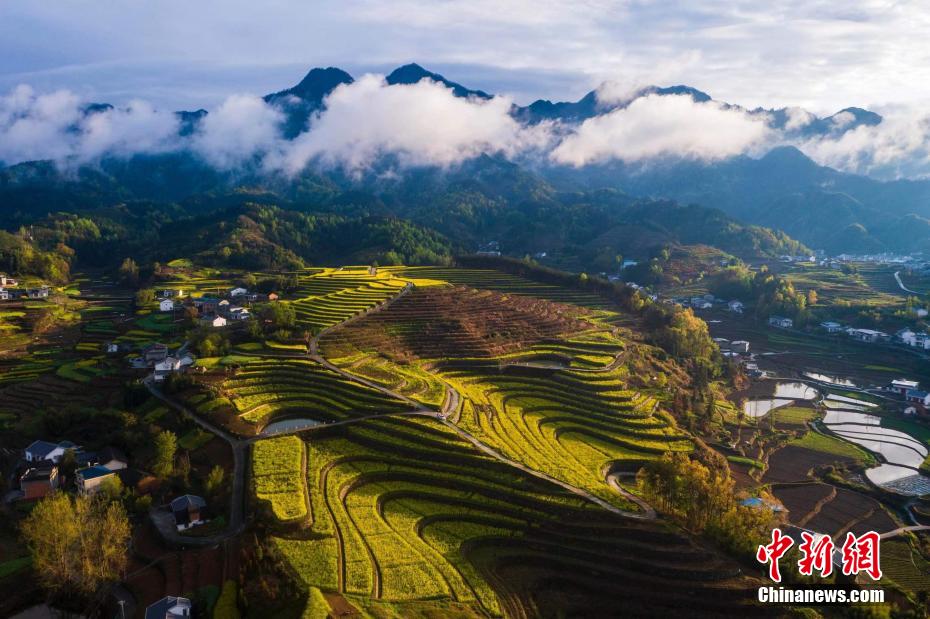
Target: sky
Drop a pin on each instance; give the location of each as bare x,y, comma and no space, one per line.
820,55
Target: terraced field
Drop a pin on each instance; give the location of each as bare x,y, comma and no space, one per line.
476,537
538,381
269,389
488,279
331,296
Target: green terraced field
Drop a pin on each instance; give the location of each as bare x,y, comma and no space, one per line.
470,531
266,389
331,296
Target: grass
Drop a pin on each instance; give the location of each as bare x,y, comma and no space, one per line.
794,415
833,446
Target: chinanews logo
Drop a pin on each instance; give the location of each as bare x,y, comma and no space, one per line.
858,555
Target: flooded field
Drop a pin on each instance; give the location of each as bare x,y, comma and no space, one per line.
783,393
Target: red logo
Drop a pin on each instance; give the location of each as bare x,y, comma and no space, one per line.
771,553
816,554
860,554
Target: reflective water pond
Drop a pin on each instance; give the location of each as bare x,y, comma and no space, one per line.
795,391
846,416
289,425
842,398
760,407
830,380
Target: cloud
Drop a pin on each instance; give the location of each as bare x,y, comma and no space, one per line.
899,147
663,126
797,118
55,126
241,128
420,124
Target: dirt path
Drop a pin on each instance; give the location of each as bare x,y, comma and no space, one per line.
903,530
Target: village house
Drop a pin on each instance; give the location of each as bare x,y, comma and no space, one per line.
169,607
902,386
111,347
212,320
89,480
239,313
38,293
44,450
169,293
736,306
918,397
112,458
740,346
165,305
7,281
188,511
38,482
831,327
273,296
4,294
153,353
869,336
206,305
238,292
170,364
781,322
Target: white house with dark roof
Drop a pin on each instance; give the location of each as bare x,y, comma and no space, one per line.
238,292
781,322
44,450
165,305
188,510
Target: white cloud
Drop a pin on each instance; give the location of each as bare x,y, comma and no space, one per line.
798,118
663,126
241,128
421,124
54,126
899,147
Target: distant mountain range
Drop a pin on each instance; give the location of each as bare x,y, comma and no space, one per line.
785,190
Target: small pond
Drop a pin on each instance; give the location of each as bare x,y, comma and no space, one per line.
289,425
830,380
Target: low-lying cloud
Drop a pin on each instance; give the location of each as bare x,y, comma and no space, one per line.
420,124
423,124
657,126
56,126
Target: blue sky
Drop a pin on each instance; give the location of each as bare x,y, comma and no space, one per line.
181,55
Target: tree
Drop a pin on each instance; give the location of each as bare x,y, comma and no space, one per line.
166,446
77,545
129,272
111,488
811,297
145,297
215,480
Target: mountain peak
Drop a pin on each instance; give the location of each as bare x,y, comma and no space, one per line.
315,85
413,73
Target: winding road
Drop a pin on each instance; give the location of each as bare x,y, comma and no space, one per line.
897,277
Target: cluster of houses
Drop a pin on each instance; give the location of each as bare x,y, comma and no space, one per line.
10,290
215,311
162,361
708,301
40,475
169,607
918,400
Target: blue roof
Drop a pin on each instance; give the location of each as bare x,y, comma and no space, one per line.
915,393
93,472
42,448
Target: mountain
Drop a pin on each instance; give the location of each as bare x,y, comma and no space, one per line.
413,73
785,190
301,101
